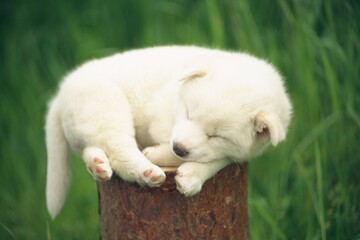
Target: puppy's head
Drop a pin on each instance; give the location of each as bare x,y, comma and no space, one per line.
230,112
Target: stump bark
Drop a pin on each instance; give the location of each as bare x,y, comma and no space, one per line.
219,211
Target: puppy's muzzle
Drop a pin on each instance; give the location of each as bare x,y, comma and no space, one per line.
180,150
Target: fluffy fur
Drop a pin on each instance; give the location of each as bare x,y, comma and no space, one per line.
196,108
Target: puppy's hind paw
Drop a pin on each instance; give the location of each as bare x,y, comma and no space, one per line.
97,163
100,169
152,176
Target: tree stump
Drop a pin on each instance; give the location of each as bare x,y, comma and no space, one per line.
219,211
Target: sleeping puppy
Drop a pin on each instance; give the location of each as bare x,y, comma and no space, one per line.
194,108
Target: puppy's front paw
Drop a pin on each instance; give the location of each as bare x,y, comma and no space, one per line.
161,155
188,180
151,152
100,169
152,176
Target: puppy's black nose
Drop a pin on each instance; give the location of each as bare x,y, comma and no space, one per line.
180,150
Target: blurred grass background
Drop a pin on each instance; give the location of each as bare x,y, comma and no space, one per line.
307,188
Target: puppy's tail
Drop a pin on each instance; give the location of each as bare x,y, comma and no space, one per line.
58,165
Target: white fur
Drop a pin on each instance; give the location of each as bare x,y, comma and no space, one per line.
125,113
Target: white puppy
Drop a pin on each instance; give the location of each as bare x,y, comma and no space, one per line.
191,107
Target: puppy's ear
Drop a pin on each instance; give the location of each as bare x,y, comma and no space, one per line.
269,126
192,74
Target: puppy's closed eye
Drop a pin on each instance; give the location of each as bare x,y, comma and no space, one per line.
215,136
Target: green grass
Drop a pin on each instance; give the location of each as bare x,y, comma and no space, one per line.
307,188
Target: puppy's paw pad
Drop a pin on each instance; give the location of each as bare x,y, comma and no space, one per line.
153,177
147,172
100,169
98,160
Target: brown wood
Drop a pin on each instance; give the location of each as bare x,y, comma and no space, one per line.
219,211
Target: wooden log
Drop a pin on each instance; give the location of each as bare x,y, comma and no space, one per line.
219,211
